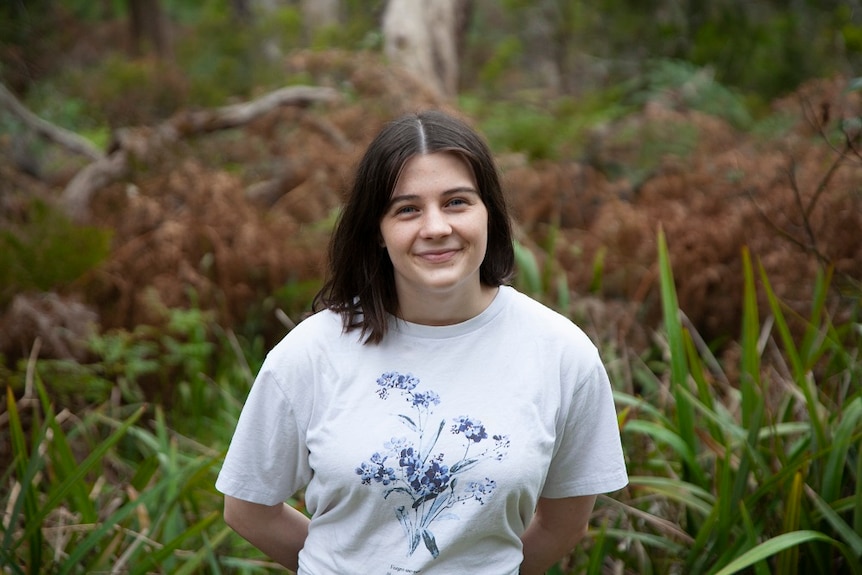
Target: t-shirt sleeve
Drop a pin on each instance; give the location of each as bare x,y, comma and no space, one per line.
267,461
589,457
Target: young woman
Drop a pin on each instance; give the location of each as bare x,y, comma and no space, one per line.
440,421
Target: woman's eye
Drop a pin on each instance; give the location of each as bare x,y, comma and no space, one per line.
458,202
405,210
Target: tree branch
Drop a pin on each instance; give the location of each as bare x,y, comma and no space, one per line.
68,140
138,143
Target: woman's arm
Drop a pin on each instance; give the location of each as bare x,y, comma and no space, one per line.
556,528
278,530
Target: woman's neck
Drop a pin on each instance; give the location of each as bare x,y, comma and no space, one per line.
444,308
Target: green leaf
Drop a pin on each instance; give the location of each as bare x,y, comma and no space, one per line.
156,559
666,436
800,374
678,363
58,493
771,547
844,531
840,450
66,464
190,566
750,362
691,495
528,269
110,523
28,466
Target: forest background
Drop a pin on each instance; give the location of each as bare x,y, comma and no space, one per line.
685,180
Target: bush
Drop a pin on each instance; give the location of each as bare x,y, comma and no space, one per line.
47,252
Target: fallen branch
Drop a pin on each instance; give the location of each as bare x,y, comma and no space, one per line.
139,143
68,140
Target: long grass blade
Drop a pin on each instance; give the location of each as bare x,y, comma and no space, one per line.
776,545
528,269
788,560
849,535
857,507
811,346
751,537
59,493
168,549
662,435
98,535
28,466
840,449
690,495
750,361
800,373
679,365
189,567
64,461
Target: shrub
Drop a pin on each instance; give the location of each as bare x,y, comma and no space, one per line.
47,252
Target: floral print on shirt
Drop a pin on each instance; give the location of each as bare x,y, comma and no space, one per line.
409,468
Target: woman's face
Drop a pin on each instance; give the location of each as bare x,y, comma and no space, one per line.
435,230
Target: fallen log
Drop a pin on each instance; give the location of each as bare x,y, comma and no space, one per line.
138,143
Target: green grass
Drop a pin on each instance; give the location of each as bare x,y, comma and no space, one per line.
764,479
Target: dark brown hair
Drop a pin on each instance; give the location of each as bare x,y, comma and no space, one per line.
361,281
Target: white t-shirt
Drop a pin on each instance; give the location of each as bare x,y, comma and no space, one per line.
427,453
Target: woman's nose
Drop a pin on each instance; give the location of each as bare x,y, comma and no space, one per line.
435,224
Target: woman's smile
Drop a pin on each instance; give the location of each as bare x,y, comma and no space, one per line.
438,256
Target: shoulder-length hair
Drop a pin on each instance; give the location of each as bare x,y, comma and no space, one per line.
361,280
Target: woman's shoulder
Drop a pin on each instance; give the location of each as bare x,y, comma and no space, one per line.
322,329
534,316
534,311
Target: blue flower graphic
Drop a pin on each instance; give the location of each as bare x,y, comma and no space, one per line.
376,470
471,428
394,380
479,490
422,476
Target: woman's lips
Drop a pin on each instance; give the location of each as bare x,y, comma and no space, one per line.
438,256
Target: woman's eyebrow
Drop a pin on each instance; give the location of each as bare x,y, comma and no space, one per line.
450,192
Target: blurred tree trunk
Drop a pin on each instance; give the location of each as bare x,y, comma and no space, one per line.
424,37
149,28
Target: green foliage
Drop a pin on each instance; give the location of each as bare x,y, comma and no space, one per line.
72,112
47,252
159,511
133,92
772,127
93,525
763,55
651,141
544,281
748,482
693,87
503,58
544,130
223,59
530,131
294,298
20,22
